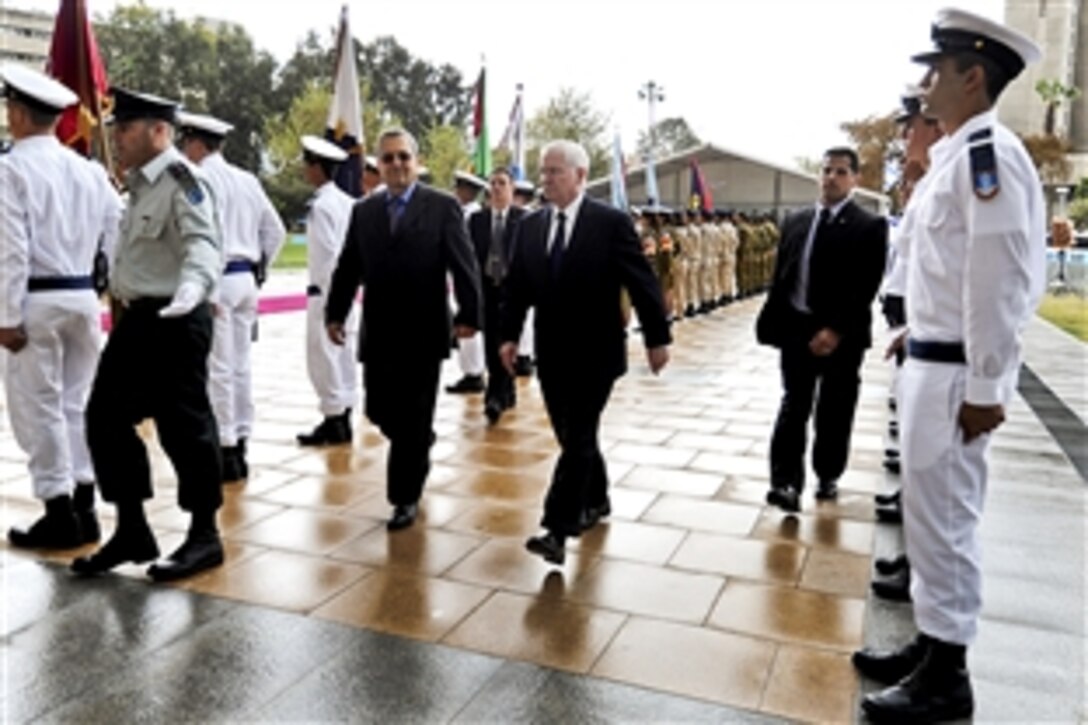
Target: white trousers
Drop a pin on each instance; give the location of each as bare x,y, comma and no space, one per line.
47,385
527,344
229,378
944,486
470,351
332,368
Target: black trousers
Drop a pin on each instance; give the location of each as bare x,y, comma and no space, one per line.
500,386
831,382
580,480
400,400
157,368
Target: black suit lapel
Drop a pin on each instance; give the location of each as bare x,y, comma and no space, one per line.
411,212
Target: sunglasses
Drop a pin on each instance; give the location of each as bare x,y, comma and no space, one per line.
402,156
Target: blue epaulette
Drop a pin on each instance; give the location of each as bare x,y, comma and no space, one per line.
983,164
181,173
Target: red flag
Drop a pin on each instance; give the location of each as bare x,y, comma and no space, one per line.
75,62
701,198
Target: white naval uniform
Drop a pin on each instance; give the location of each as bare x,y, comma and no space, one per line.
56,208
470,350
250,228
975,274
332,368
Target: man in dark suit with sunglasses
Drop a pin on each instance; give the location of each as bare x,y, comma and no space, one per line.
828,269
400,245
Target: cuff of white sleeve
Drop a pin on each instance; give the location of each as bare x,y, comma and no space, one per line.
985,391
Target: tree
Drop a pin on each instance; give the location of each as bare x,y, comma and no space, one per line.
214,70
308,115
876,140
1053,93
444,151
570,115
420,94
1078,212
670,135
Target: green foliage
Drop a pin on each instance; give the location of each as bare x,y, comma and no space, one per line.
570,115
1053,93
214,70
1081,192
1067,311
1077,211
444,152
671,136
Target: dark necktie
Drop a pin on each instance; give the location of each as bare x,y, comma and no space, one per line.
819,242
396,211
555,254
496,263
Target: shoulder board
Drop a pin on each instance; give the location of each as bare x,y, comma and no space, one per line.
984,177
187,181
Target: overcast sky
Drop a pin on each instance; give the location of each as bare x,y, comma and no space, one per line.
771,78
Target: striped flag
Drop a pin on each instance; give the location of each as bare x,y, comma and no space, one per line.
619,187
75,62
344,126
513,139
481,157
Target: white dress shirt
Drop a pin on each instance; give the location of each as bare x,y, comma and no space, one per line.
977,267
56,208
571,213
247,220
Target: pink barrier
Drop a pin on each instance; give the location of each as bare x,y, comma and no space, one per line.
265,306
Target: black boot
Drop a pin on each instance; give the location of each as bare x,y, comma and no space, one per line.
889,499
335,429
243,464
57,529
887,567
938,690
232,467
523,367
201,550
895,588
132,541
890,667
83,503
467,384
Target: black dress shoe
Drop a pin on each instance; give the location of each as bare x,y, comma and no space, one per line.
938,690
890,667
403,517
549,546
889,514
467,384
137,547
893,466
887,567
827,491
200,551
891,453
785,498
493,411
893,430
888,499
57,529
83,503
895,588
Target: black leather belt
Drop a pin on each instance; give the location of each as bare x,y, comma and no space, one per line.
52,284
313,291
941,352
237,266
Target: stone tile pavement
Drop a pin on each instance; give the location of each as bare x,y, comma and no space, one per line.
695,602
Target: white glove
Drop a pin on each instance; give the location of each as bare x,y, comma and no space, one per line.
187,297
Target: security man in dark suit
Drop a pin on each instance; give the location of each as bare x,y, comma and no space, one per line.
492,233
827,272
400,245
571,260
155,365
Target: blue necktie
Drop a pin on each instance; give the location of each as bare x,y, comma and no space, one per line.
396,211
555,254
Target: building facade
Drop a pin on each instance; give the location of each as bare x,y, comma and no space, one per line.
1060,27
25,36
